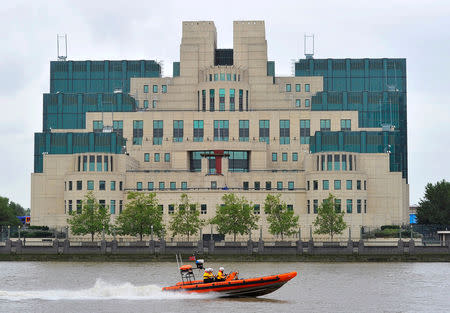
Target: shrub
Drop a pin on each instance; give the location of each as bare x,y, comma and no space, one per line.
390,227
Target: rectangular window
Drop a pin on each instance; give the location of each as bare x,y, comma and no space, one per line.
79,206
178,131
241,100
221,131
307,103
308,206
213,185
120,186
245,185
344,162
288,87
284,132
157,158
284,156
98,126
139,185
166,157
99,163
92,163
290,185
297,88
329,162
221,99
79,185
307,185
322,158
358,185
325,125
358,206
228,77
257,185
158,132
216,77
232,100
315,185
346,125
171,209
146,157
350,163
294,156
145,88
315,205
203,209
279,185
290,208
305,130
173,185
337,184
164,88
211,100
264,130
150,185
337,205
184,185
365,185
138,132
337,162
297,103
365,206
120,206
349,184
161,185
84,163
325,184
113,185
222,76
307,88
153,104
244,130
112,207
118,127
146,104
246,100
155,88
256,209
102,203
274,157
90,185
198,130
349,205
268,185
70,206
204,100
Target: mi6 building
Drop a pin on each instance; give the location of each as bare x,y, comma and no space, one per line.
225,123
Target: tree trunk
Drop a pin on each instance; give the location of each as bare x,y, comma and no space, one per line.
92,237
281,236
234,237
188,236
140,236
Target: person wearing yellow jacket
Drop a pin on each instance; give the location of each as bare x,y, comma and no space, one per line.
208,276
220,274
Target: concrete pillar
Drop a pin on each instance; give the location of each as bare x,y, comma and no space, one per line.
211,246
66,248
299,246
361,246
224,166
114,246
349,234
250,246
8,245
19,246
311,246
56,245
350,246
400,246
412,246
260,246
103,246
162,246
204,166
200,246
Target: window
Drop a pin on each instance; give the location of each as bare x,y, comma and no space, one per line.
243,130
245,185
297,103
184,185
153,104
157,158
268,185
120,186
164,88
290,185
221,130
92,163
222,76
365,185
337,184
139,185
138,132
198,130
203,209
98,126
288,87
146,157
337,205
349,205
216,77
315,205
221,99
211,99
307,185
118,127
79,185
102,203
350,163
113,185
344,162
161,185
346,125
173,185
279,185
337,162
146,104
365,206
166,157
325,184
358,185
228,77
155,88
120,206
204,100
274,157
329,162
178,131
257,185
322,157
213,185
70,206
145,88
297,88
358,206
307,89
315,185
232,100
284,132
308,206
325,125
99,163
79,206
264,130
241,100
150,185
171,209
294,156
284,156
90,185
304,131
256,209
157,132
112,207
349,184
290,208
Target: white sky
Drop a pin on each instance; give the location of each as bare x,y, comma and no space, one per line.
117,30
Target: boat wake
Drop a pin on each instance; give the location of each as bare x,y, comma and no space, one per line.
101,291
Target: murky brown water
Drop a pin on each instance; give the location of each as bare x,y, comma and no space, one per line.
135,287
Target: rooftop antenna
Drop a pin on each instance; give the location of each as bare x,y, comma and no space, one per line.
309,45
61,46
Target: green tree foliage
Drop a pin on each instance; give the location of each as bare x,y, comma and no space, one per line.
94,218
281,221
140,214
235,216
435,207
187,220
329,220
8,213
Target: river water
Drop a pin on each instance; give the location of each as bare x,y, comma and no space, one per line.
136,287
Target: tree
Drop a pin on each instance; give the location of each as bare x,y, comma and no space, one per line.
140,214
94,218
235,216
329,220
282,221
435,207
187,219
7,212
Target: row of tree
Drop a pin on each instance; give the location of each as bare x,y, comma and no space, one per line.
143,215
9,211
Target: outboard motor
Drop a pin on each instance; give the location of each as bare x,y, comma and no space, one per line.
199,263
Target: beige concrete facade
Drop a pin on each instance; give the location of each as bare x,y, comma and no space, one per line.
378,196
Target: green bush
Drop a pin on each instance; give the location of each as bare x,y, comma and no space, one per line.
38,227
397,227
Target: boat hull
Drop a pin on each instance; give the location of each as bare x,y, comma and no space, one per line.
253,287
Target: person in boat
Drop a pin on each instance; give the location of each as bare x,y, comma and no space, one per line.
220,274
208,276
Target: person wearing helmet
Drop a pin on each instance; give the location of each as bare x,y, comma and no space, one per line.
220,274
208,276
